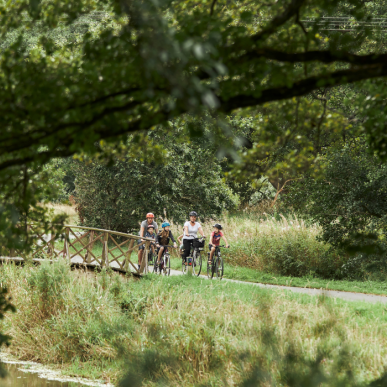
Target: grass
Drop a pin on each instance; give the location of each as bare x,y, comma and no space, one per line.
188,331
64,209
256,276
276,250
253,275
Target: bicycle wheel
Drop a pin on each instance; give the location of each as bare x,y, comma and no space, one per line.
197,263
167,264
210,269
183,266
219,267
159,266
154,263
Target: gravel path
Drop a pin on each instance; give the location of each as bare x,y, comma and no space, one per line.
349,296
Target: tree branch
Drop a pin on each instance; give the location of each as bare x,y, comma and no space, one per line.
212,7
304,86
292,9
325,56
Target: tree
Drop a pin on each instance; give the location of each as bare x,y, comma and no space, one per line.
349,202
117,196
76,72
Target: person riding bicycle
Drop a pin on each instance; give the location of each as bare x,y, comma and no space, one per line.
150,233
162,240
191,230
149,221
215,240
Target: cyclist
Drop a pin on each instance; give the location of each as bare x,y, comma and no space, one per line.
191,230
162,240
215,240
149,221
150,233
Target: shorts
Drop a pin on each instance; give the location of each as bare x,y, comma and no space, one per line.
210,246
142,246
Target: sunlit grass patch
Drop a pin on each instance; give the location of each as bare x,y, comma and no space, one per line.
195,329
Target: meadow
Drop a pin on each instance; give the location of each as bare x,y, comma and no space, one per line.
273,249
188,331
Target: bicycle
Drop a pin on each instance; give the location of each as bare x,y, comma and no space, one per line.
217,265
165,263
194,260
152,259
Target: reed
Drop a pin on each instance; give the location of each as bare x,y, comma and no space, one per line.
184,331
187,331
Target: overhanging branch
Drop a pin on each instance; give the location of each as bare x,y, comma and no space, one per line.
304,86
291,10
325,56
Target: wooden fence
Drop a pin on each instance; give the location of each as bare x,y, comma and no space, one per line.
89,246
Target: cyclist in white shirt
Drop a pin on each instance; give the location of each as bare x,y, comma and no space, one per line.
191,230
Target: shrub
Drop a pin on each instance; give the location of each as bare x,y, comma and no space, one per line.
283,247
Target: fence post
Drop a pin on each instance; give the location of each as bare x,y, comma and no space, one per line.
88,255
105,259
128,254
51,244
67,244
144,261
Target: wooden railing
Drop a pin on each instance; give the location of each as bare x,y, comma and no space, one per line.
89,246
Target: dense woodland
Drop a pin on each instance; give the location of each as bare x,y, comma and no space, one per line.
224,107
133,107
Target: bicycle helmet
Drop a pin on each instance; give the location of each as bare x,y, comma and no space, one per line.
193,213
150,226
218,226
150,215
165,224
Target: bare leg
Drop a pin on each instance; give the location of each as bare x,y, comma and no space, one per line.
212,252
160,254
140,256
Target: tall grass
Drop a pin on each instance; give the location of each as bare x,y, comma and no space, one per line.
187,331
284,246
66,209
272,243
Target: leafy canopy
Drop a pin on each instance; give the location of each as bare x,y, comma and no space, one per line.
73,73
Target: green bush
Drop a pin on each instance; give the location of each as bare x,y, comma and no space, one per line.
286,247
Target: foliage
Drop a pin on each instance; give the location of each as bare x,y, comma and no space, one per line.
76,72
117,196
5,306
349,203
21,205
285,247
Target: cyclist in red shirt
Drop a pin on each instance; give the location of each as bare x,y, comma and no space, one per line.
215,239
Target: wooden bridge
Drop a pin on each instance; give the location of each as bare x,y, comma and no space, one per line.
85,246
